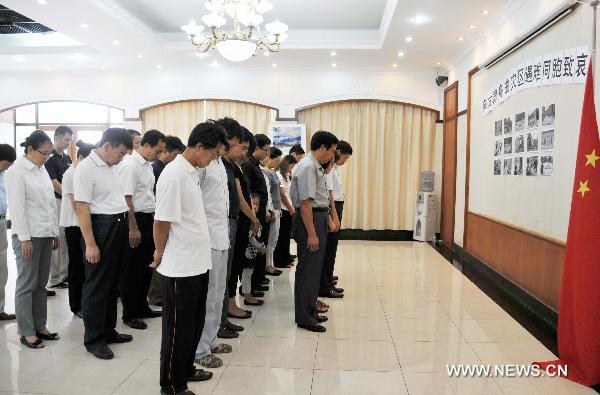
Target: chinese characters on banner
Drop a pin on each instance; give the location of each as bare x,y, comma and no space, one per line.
567,66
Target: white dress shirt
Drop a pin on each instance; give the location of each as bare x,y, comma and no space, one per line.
286,187
68,216
179,201
215,194
98,184
334,183
31,200
137,179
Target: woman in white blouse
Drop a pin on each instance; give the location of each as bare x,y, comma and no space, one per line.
68,220
281,255
34,236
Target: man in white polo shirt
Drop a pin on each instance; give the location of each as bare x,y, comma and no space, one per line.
137,178
183,257
102,214
215,194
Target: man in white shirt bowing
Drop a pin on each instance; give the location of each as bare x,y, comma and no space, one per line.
215,194
183,257
137,179
102,213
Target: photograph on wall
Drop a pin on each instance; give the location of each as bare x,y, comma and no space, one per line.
532,166
518,168
519,144
546,165
547,138
532,141
498,150
508,126
507,167
520,122
286,135
533,120
548,115
498,128
508,145
498,167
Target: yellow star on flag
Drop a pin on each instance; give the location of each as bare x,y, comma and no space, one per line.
592,158
583,188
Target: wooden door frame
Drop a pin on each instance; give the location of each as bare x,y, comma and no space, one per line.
454,117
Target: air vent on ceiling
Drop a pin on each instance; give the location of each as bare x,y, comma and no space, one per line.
12,22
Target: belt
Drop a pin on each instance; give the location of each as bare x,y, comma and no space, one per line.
320,209
145,214
110,216
234,216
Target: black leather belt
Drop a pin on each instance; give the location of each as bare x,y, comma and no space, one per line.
320,209
110,216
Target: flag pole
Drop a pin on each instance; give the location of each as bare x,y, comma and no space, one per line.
594,4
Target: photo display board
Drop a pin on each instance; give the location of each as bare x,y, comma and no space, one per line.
524,144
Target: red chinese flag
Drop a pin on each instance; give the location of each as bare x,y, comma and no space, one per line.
579,312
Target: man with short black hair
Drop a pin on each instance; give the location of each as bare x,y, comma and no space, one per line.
7,157
310,197
137,179
136,139
174,147
102,213
258,186
183,257
328,286
297,152
56,166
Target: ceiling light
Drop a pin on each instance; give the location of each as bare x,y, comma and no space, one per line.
200,55
332,53
19,59
49,69
461,38
333,65
84,26
266,53
42,2
116,42
485,12
438,64
245,38
140,56
400,54
472,27
274,65
103,68
394,65
78,58
408,39
159,66
214,65
419,19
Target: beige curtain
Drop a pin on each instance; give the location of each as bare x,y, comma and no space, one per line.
179,118
392,144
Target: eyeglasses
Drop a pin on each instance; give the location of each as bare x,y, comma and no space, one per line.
44,153
232,146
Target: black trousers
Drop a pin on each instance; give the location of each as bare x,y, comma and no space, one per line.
308,270
101,285
281,255
76,267
136,274
333,239
184,307
233,224
239,261
260,263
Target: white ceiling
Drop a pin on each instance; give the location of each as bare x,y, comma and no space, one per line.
304,15
366,34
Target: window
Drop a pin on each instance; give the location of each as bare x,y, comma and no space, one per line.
87,120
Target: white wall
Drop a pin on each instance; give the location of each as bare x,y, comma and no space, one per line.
461,170
284,90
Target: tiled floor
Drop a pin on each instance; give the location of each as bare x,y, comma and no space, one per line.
406,315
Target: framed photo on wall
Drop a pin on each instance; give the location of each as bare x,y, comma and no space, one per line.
286,135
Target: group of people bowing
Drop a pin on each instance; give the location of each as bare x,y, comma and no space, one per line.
152,221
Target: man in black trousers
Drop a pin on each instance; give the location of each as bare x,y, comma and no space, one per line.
102,213
258,186
310,224
183,257
137,179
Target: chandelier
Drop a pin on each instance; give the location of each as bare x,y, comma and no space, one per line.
246,39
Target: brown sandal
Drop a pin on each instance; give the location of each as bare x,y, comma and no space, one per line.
39,343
